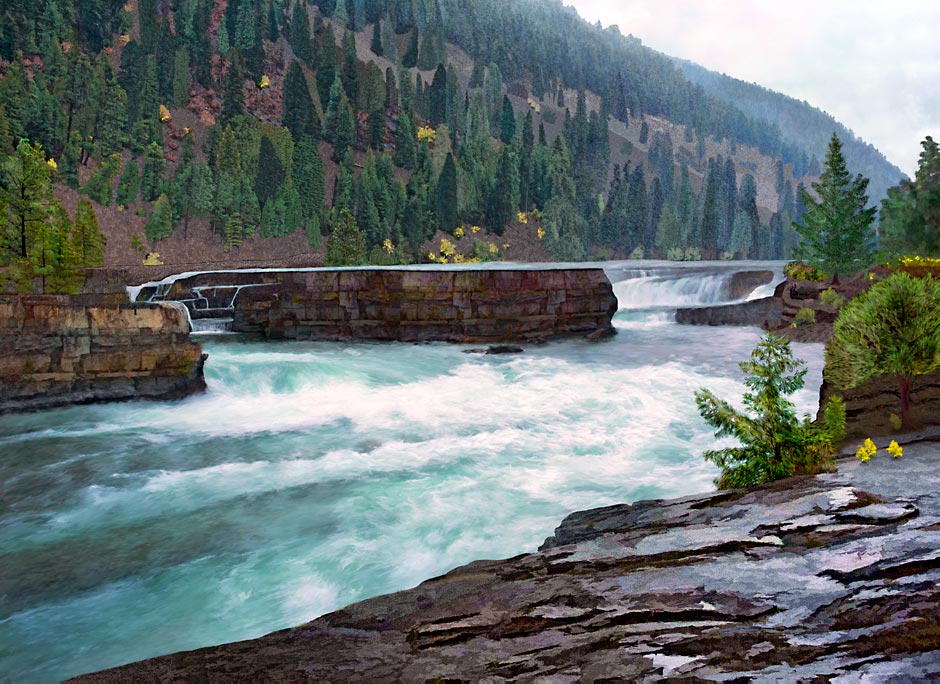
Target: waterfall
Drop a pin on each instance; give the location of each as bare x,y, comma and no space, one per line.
672,291
212,326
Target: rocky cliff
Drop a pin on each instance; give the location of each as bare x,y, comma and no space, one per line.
475,306
803,580
57,350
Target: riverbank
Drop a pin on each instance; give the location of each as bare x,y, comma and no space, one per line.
827,576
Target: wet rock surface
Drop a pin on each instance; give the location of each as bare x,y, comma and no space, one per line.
765,313
827,578
464,306
57,350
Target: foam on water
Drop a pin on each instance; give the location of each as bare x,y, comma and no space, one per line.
310,476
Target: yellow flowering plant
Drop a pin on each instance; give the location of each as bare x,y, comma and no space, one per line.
895,449
866,450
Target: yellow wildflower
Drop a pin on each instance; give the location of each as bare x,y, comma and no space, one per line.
431,256
895,449
388,246
459,233
265,82
165,114
474,229
866,450
493,249
541,232
53,165
523,217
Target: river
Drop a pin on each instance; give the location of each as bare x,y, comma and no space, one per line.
313,475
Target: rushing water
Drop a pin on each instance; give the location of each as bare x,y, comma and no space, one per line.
313,475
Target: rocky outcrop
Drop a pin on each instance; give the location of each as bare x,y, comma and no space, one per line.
869,407
743,283
802,580
480,306
765,313
57,350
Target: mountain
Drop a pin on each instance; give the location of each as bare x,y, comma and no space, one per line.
242,131
800,123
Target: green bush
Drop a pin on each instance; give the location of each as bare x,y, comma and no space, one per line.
797,270
775,444
891,329
832,299
804,317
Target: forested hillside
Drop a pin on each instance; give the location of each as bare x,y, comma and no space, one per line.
408,130
801,124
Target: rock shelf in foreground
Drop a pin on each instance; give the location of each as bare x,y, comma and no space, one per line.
803,580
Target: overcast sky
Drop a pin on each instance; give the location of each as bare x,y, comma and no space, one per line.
873,64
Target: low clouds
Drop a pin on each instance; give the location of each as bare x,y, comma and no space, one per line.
874,66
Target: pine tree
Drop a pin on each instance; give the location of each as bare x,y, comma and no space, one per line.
151,185
836,232
308,177
299,36
181,78
233,101
508,122
389,42
270,177
437,99
346,246
129,185
350,71
410,59
87,238
376,45
447,196
160,223
405,150
300,115
26,196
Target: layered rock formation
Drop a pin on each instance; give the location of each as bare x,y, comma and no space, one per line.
57,350
420,306
803,580
764,313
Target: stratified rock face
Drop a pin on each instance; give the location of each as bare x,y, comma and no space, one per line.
803,579
423,306
868,407
59,349
765,313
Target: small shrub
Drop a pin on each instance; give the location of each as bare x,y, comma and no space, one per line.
692,254
675,254
775,444
727,256
804,317
638,253
832,299
797,270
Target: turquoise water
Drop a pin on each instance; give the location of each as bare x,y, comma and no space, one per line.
310,476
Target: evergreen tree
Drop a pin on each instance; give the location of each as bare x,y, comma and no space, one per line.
151,185
437,99
668,231
300,116
910,215
350,72
410,59
346,245
405,149
644,133
376,45
89,243
160,223
233,101
836,232
270,177
389,42
129,185
308,177
299,36
503,199
25,199
447,196
508,124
